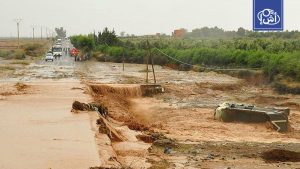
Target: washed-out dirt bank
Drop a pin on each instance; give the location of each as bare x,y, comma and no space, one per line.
185,113
199,140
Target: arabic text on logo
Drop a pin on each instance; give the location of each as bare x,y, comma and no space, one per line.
268,17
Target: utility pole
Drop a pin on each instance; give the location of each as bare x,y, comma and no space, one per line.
152,63
147,62
123,60
151,57
18,27
32,31
41,32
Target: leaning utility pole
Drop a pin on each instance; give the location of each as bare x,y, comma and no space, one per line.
151,59
147,62
18,27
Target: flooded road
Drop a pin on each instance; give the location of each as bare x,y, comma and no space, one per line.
37,128
39,131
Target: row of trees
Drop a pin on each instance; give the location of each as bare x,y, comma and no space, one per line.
273,55
218,33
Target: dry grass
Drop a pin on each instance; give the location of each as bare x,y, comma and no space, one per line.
220,86
20,62
28,47
6,68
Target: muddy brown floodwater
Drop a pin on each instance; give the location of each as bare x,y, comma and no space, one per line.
39,131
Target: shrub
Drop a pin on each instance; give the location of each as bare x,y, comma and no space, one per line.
3,54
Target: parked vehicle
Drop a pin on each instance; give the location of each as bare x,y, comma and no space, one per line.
49,57
57,51
74,52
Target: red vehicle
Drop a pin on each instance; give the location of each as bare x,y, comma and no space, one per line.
74,52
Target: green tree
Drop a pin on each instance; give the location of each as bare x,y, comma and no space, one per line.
61,33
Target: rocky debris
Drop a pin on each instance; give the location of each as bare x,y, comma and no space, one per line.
106,128
279,155
80,106
99,107
162,140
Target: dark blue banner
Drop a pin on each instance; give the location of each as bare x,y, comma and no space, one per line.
267,15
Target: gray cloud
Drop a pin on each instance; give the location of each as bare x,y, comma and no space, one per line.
133,16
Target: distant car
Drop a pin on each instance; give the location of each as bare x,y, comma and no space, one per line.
49,57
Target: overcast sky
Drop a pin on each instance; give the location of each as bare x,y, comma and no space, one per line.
133,16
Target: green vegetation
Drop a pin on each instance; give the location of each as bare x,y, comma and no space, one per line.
218,33
61,33
274,53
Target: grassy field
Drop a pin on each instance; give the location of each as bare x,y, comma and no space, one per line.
29,48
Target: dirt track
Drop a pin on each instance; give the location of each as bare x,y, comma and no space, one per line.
184,113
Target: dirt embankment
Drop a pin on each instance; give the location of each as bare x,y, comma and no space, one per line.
117,135
185,113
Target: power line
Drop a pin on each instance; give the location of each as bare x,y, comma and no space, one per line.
165,55
173,57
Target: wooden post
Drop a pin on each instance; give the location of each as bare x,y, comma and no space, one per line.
123,60
147,68
151,56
